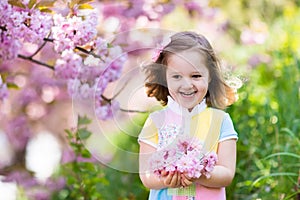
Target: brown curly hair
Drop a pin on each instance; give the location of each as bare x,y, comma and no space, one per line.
219,94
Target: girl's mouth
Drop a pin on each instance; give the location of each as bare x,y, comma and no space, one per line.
187,94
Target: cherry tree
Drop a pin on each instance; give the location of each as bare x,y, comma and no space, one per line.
54,51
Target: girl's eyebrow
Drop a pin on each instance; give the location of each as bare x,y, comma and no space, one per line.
174,71
180,72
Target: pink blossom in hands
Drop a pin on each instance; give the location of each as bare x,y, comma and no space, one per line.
211,161
156,163
188,156
188,145
184,163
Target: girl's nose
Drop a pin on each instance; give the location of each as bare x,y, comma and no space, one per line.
187,83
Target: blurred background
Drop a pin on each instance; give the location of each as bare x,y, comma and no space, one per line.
53,147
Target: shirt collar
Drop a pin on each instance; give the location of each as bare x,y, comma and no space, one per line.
174,106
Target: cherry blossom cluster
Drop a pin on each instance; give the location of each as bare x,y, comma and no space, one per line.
81,57
85,61
76,30
19,25
87,76
185,155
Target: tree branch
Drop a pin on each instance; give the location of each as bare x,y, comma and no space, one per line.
124,85
108,100
89,53
40,48
133,111
48,40
36,61
80,49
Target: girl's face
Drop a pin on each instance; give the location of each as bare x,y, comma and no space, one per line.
187,78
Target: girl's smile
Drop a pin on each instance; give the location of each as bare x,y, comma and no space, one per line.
187,78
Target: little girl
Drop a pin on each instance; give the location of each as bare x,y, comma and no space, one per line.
187,80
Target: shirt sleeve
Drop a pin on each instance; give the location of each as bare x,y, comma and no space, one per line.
227,129
149,133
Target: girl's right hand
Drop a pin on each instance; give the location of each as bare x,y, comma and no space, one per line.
186,180
171,179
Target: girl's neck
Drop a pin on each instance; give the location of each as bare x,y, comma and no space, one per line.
177,108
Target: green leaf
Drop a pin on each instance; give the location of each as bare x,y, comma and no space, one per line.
274,175
47,4
83,120
109,45
63,194
84,133
17,3
69,132
84,1
12,86
283,154
31,3
294,194
85,6
78,2
291,133
86,154
46,10
44,6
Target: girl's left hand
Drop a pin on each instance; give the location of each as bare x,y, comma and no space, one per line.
171,179
186,180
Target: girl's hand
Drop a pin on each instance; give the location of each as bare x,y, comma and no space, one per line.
186,180
171,179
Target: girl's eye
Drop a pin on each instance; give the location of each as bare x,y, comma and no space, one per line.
196,76
176,76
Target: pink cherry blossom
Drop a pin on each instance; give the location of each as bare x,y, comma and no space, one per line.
19,25
106,110
74,31
186,155
68,65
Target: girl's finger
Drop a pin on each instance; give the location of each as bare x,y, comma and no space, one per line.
174,179
185,182
164,173
178,179
169,180
186,177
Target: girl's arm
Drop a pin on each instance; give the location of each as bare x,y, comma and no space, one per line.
224,171
151,180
